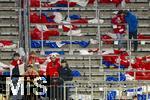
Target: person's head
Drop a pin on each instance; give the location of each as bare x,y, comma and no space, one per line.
64,63
29,67
16,56
124,93
53,57
32,54
135,97
125,12
121,12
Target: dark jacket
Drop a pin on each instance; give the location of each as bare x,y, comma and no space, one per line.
132,22
65,73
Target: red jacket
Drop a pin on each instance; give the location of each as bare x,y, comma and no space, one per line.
16,62
36,59
118,26
53,69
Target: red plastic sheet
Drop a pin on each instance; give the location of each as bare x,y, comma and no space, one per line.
6,42
105,39
66,29
37,35
117,2
81,21
141,36
36,59
35,3
34,18
141,65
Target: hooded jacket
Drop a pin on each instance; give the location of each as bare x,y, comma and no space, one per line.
52,69
65,73
132,22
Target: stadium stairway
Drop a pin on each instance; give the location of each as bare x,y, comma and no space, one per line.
9,28
90,72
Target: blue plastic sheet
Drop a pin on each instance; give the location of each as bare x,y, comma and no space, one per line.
83,44
74,17
50,52
113,78
111,95
76,73
141,97
36,44
51,44
108,64
133,90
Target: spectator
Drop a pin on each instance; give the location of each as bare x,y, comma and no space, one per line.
119,28
16,85
53,80
66,75
16,63
135,97
16,60
53,67
65,71
34,59
32,73
132,22
124,96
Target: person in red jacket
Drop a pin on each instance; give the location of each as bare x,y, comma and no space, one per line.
16,60
119,28
53,80
33,59
53,67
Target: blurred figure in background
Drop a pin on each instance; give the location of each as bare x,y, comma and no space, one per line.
35,61
16,60
53,67
135,97
30,74
65,73
53,80
31,71
119,28
132,22
124,96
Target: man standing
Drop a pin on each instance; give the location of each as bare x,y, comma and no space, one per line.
119,28
132,22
